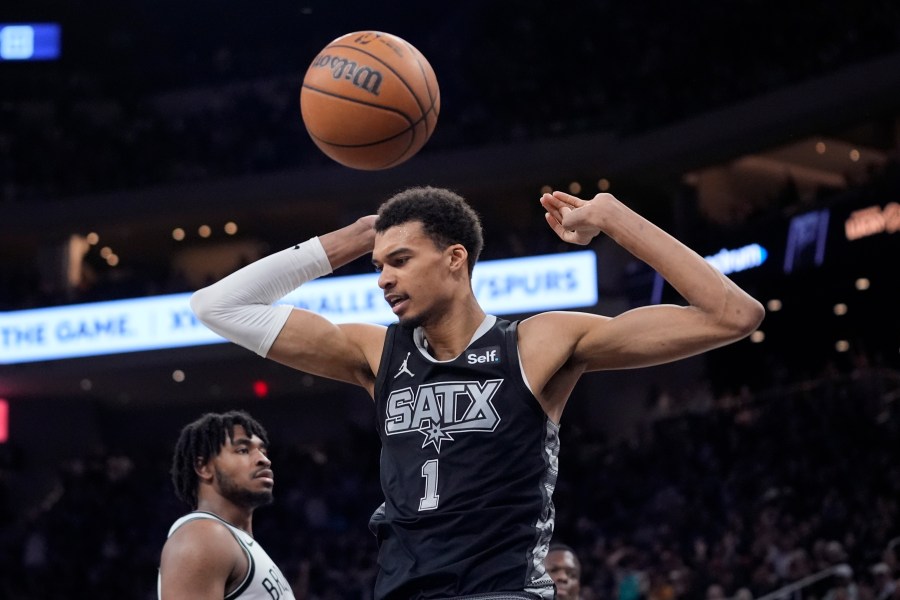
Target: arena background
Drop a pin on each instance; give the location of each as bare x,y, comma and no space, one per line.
767,463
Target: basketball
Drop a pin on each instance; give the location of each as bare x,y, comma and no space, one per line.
370,100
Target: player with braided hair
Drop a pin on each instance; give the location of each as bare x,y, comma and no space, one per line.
221,470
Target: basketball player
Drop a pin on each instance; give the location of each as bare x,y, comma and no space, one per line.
468,405
564,568
220,469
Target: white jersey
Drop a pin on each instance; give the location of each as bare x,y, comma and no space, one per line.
263,581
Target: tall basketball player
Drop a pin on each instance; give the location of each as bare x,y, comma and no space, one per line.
469,405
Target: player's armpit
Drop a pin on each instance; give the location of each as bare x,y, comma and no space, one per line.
312,344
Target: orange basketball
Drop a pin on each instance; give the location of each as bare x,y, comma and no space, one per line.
370,100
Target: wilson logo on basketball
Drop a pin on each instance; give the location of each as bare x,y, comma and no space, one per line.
365,78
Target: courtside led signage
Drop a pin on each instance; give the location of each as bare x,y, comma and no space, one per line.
503,287
873,220
741,259
29,41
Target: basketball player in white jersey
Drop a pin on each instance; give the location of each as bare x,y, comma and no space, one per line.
221,470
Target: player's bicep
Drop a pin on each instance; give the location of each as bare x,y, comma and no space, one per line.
313,344
644,337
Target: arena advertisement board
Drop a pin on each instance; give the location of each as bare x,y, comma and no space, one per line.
508,286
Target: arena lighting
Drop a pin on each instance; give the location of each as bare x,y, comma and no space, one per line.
807,234
741,259
873,220
260,388
4,420
29,41
503,287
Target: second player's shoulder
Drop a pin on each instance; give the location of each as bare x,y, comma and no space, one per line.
206,541
201,558
202,531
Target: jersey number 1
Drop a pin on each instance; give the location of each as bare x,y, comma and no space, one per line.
430,472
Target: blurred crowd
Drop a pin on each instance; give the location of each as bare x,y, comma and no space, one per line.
127,107
733,499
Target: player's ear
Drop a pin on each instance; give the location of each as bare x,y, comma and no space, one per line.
204,469
459,257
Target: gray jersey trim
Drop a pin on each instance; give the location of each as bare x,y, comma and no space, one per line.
538,582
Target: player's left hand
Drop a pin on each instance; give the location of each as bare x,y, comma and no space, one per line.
569,217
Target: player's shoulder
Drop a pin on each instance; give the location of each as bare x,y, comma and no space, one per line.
201,552
558,323
202,535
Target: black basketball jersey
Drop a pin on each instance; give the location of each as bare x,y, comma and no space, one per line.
468,467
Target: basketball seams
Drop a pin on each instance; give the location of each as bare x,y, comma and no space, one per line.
363,102
406,84
412,124
351,118
411,129
432,96
390,68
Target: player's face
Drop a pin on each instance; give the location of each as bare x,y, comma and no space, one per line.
563,569
244,471
415,274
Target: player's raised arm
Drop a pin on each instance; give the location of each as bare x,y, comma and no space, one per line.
718,312
240,308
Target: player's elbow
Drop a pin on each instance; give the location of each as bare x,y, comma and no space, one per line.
744,317
202,304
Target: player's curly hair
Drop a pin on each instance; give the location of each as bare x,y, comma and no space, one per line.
203,439
445,216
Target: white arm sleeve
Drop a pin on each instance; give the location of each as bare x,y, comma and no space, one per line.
240,307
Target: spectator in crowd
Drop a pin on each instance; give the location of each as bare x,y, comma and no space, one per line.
564,568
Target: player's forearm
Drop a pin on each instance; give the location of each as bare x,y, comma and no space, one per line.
703,286
349,243
240,307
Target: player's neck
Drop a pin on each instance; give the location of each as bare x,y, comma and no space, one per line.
239,516
448,336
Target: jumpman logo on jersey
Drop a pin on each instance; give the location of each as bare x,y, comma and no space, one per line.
404,368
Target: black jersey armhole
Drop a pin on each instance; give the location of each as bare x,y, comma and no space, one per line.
386,353
511,339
